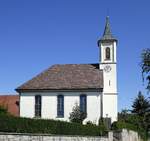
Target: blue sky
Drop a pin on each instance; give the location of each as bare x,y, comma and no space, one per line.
36,34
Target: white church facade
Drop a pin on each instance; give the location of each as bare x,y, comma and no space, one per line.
53,93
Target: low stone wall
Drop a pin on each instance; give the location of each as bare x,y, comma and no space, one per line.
123,135
126,135
129,135
34,137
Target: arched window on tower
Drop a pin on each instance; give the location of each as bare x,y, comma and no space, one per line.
107,52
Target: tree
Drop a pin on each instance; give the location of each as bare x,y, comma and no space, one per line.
141,105
145,65
77,115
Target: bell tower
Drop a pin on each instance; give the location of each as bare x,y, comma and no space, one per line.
108,63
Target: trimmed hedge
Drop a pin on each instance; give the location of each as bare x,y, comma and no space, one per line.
26,125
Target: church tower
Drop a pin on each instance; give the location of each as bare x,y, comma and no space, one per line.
108,63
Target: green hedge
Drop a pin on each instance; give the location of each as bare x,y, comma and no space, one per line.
26,125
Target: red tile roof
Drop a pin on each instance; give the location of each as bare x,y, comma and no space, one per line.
66,77
11,102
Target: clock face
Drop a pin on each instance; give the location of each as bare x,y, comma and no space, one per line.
107,68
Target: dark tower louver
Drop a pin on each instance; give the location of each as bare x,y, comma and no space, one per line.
107,35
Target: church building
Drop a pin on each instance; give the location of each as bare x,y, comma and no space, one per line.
53,93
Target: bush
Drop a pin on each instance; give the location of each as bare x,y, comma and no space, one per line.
124,125
77,116
26,125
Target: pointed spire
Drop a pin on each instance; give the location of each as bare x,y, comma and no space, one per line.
107,30
107,35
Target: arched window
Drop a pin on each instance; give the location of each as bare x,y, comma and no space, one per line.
37,106
107,53
60,106
83,103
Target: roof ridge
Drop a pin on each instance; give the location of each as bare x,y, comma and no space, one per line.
77,64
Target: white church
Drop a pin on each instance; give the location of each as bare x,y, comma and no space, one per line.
53,93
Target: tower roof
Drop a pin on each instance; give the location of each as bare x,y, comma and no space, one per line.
107,35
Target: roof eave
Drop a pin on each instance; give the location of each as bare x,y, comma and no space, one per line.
60,90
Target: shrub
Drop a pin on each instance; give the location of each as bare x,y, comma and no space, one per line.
77,115
26,125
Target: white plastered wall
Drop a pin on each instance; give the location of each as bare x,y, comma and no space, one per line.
110,106
110,81
49,105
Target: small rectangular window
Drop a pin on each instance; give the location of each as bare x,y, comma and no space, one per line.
37,106
83,103
60,106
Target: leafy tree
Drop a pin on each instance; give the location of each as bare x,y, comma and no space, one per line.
77,115
145,65
141,105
